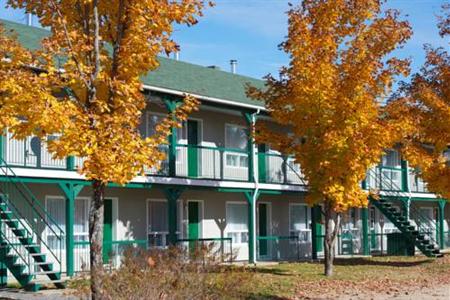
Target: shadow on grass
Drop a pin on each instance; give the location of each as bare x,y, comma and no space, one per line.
262,296
273,271
361,261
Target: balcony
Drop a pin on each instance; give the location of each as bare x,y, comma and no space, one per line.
385,178
214,163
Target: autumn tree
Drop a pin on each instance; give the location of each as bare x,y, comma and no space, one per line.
84,84
329,97
423,107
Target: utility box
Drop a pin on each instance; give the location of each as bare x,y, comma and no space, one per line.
397,244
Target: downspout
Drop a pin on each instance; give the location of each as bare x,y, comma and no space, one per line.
256,181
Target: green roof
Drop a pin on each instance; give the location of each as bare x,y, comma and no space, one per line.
173,75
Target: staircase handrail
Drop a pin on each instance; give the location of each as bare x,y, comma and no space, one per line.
300,176
373,174
423,225
35,205
422,216
34,201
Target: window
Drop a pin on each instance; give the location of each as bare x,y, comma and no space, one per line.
236,138
56,207
391,159
158,223
155,119
158,226
237,224
298,222
447,155
81,222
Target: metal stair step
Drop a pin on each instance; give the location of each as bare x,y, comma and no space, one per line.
38,254
19,232
44,273
12,223
42,263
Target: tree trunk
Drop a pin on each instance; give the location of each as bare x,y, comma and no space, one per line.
96,238
332,224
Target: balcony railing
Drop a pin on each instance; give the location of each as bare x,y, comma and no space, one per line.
393,179
416,184
277,168
385,178
213,163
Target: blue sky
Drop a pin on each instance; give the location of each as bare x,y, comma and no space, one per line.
250,30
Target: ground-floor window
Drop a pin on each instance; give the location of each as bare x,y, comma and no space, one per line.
298,222
237,224
158,222
56,207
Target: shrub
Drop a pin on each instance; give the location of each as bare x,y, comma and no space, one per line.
174,273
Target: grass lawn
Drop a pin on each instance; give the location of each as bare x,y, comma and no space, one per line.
353,277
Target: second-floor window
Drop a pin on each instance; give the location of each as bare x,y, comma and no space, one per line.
236,138
391,159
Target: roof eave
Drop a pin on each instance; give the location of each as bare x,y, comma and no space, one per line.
205,98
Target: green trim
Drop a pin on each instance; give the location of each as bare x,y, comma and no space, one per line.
262,170
171,106
70,163
441,216
107,229
71,191
172,195
234,190
262,227
316,230
404,166
400,198
69,181
2,147
251,198
114,242
365,230
3,267
193,153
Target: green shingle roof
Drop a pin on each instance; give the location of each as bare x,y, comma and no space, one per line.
173,75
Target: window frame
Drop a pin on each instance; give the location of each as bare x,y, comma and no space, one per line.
297,233
240,232
238,155
179,231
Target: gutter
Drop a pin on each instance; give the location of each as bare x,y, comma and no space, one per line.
206,98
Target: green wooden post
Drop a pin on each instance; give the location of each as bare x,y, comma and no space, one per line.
316,230
3,268
250,122
262,172
172,196
365,230
441,216
406,202
405,177
171,105
71,192
70,163
251,200
2,147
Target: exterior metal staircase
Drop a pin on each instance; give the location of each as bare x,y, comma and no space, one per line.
416,228
32,259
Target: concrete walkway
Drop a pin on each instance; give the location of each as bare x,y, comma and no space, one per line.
432,293
19,294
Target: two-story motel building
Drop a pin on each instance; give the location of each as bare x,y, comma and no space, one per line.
216,186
